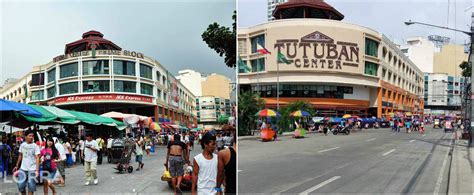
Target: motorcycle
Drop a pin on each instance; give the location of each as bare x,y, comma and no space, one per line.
340,129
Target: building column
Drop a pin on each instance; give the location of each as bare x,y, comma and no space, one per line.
157,117
379,102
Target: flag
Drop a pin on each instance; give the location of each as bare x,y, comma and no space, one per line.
262,50
243,66
282,59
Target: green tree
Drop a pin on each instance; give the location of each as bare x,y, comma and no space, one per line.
249,104
285,119
466,69
222,40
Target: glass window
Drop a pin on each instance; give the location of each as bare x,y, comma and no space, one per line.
68,70
37,79
257,40
165,96
125,86
146,89
164,80
68,88
158,75
95,67
95,86
371,68
51,92
37,95
124,67
371,47
159,93
52,75
258,65
146,71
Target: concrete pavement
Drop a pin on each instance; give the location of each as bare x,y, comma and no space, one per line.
146,181
372,161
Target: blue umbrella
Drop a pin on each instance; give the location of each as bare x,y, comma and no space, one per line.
6,105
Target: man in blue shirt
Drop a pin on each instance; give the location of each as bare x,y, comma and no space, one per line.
5,151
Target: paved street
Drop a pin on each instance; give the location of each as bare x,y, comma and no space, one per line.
146,181
373,161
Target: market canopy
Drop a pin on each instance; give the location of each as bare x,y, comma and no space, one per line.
6,105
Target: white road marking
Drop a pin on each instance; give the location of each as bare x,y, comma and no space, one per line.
412,140
387,153
370,139
328,149
441,173
320,185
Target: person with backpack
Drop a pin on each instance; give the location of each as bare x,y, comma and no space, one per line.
49,157
5,150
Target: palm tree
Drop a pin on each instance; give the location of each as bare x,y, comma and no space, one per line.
249,104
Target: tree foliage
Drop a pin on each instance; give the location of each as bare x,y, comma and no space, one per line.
466,69
222,40
286,119
249,104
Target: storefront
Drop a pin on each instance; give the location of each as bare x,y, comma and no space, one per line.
336,66
95,75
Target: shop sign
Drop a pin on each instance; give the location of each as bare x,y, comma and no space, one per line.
101,97
319,51
99,52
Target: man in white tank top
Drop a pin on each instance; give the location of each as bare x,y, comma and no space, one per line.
205,167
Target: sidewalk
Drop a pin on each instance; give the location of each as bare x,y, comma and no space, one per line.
462,172
257,135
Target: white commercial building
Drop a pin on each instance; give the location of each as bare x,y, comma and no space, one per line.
192,80
271,6
421,52
444,93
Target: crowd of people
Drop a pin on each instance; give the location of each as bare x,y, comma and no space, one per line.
47,159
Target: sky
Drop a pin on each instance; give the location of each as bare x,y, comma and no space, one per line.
386,16
33,33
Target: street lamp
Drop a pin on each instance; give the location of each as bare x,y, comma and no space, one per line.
471,59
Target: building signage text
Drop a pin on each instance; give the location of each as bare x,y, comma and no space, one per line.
100,97
99,52
319,51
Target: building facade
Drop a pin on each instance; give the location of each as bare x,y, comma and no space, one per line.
335,66
95,75
449,58
192,80
216,85
210,109
443,93
421,52
271,4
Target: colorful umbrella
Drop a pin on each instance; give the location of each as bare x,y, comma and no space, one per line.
267,113
347,116
300,113
155,127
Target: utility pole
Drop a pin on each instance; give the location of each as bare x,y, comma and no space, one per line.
471,59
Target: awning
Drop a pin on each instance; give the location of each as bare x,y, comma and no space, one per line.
25,109
64,116
46,116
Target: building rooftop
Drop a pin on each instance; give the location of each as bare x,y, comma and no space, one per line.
90,40
306,9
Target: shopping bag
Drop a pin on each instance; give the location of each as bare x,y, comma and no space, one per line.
166,175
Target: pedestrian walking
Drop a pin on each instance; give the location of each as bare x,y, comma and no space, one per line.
139,152
90,159
101,144
49,157
220,142
192,137
5,151
205,168
81,149
68,150
176,157
61,164
227,168
29,156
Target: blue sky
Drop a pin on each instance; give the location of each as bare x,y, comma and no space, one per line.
385,16
168,31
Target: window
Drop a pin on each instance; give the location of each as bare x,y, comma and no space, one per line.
242,68
125,86
258,65
52,75
159,94
124,67
371,68
68,88
257,40
95,67
146,89
383,74
68,70
37,95
95,86
37,79
51,92
371,47
146,71
165,96
164,80
158,75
